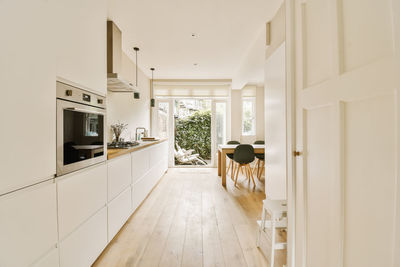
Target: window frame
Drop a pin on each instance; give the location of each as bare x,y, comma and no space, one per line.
251,99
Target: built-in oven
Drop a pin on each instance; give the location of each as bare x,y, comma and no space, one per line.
81,122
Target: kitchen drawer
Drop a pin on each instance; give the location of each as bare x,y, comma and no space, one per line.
80,195
83,246
119,211
28,224
140,163
155,154
119,175
140,191
49,260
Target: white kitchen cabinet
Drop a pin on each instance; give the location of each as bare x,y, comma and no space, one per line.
28,101
119,175
28,224
143,187
119,210
51,259
84,61
80,195
155,153
140,191
84,245
146,178
140,163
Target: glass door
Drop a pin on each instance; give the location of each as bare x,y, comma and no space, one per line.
192,132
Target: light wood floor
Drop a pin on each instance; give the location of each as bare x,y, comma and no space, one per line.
191,220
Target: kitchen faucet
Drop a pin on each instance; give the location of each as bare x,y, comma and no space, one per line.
136,134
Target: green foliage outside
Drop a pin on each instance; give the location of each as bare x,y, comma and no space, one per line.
194,132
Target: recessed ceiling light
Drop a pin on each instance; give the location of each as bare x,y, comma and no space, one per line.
195,64
193,35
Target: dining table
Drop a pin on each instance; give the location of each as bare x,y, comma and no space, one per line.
229,149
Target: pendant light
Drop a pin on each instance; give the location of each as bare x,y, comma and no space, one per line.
136,94
152,100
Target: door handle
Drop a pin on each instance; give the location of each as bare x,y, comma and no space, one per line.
297,153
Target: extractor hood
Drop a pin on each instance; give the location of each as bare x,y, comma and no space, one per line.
115,83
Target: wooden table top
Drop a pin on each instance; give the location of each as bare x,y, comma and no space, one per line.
116,152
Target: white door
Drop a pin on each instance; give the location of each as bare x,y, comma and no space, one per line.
347,116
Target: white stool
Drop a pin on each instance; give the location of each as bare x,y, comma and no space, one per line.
277,209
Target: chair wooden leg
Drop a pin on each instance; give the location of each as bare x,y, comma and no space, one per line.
260,172
251,175
246,170
237,174
256,166
233,170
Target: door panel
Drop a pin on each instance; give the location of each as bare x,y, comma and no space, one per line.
317,41
375,41
369,181
319,186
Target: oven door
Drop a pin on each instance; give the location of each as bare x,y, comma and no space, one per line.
81,140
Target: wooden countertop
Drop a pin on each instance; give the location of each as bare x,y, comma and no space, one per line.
116,152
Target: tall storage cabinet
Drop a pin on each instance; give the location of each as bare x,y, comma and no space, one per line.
28,102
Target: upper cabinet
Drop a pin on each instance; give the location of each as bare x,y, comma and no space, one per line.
81,45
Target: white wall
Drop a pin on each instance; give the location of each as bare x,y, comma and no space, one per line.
260,114
122,107
275,124
236,116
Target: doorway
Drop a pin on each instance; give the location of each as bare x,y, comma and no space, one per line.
194,126
192,132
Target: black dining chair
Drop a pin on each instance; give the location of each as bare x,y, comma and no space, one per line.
260,160
231,165
243,156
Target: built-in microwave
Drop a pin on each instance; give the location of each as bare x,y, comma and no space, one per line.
81,122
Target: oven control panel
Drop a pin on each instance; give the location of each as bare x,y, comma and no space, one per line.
75,94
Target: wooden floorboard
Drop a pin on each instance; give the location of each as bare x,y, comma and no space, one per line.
190,220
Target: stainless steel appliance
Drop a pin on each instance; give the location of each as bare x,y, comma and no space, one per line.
81,122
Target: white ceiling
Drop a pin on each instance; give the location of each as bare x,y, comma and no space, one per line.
226,34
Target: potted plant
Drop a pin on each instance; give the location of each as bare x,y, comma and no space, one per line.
117,129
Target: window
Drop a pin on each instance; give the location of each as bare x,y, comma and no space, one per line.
249,116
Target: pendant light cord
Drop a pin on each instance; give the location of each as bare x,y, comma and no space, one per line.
136,69
136,50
